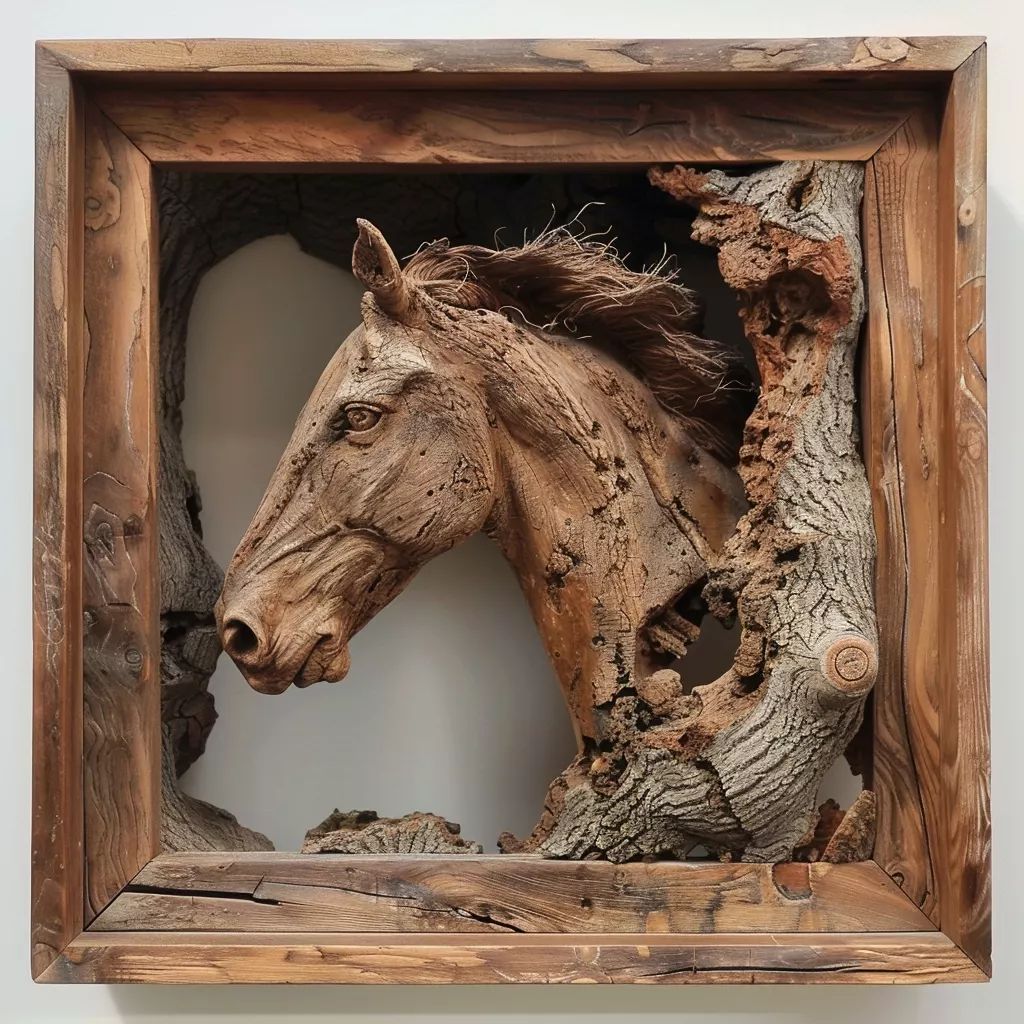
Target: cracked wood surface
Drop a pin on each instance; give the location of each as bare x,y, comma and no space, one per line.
809,958
349,893
334,130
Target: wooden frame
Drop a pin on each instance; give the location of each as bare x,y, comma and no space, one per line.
911,109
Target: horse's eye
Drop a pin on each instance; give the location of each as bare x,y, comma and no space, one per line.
356,418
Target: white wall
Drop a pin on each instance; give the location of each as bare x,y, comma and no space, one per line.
22,23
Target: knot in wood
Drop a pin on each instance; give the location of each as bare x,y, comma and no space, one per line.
850,664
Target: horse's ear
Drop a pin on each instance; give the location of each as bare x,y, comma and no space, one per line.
375,265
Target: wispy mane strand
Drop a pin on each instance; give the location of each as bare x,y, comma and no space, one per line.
581,286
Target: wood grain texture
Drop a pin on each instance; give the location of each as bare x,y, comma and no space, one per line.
507,894
120,582
206,957
219,130
56,892
681,63
902,419
965,888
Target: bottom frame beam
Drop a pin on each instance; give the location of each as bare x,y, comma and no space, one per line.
224,957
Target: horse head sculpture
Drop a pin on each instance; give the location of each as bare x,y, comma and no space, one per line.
595,449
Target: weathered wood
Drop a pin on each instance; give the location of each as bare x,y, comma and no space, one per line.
121,647
308,130
345,893
960,723
364,832
57,876
965,883
903,416
469,63
201,957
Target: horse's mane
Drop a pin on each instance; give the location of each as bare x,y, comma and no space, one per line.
582,286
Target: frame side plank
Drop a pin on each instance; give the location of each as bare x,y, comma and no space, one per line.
964,734
902,431
217,130
56,891
121,578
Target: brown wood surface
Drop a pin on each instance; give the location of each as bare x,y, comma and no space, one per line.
57,535
965,888
294,892
926,443
924,217
209,957
217,130
680,63
902,415
120,579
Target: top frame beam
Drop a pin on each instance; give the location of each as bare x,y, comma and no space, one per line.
518,63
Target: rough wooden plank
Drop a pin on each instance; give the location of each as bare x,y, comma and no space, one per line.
57,521
468,62
291,892
217,130
964,758
120,578
204,957
902,443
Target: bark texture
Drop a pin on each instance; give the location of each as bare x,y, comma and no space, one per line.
365,832
748,752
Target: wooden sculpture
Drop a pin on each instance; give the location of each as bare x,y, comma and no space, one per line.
566,406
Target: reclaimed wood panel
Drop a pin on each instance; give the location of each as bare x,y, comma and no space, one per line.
964,759
219,130
120,574
300,892
56,887
474,63
902,422
211,957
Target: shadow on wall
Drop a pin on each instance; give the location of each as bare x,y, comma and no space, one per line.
451,705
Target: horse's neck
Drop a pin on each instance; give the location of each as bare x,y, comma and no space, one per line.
594,516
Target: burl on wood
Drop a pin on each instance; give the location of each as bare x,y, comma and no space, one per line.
597,451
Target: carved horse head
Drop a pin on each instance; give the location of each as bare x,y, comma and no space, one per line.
594,449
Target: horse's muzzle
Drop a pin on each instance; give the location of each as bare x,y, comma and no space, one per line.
272,662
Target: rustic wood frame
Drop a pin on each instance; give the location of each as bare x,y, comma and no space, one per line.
912,109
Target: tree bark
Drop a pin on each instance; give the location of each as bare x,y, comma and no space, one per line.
357,832
736,765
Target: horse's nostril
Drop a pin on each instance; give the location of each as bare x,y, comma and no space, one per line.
239,639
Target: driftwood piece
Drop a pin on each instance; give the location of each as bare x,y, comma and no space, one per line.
365,832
